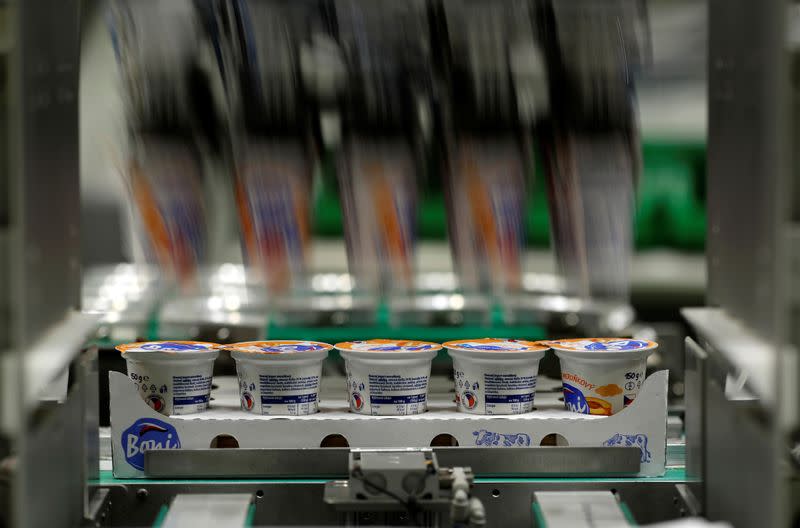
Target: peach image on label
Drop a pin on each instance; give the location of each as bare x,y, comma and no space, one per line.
612,389
598,406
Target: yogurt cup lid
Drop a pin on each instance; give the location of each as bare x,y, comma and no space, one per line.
388,345
491,344
602,344
275,347
175,347
170,348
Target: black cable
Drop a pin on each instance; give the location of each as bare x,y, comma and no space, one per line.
410,505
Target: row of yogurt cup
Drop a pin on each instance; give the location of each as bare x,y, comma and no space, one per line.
390,377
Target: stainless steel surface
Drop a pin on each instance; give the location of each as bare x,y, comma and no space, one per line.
208,510
230,306
579,509
583,315
749,378
750,360
40,281
44,186
674,426
690,504
52,457
694,403
748,142
105,446
43,415
739,413
739,441
48,357
239,463
544,461
440,308
676,453
332,462
87,377
123,296
98,506
298,503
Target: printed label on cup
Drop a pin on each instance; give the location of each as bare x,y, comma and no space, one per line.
291,390
387,390
602,393
174,389
499,390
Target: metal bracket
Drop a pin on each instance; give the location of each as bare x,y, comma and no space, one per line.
337,494
738,358
245,463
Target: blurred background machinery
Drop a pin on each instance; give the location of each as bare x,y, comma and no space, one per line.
415,168
229,170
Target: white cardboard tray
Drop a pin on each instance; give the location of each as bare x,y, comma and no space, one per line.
136,427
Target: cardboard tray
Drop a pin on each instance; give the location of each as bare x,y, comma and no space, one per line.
135,427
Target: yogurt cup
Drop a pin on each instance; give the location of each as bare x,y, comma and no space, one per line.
601,375
495,376
172,377
279,377
387,376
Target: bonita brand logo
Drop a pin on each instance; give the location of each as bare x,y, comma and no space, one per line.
146,434
574,400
